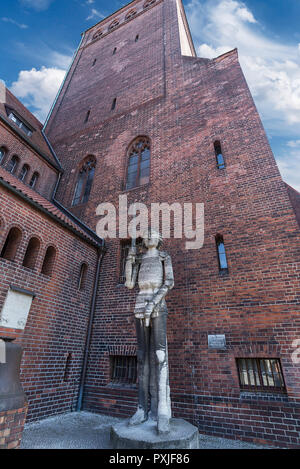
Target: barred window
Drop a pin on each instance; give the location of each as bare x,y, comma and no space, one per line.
113,25
138,169
97,34
130,14
123,369
260,374
149,3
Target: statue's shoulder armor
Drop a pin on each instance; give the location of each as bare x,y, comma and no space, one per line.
163,255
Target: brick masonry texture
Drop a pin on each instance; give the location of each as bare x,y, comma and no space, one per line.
184,104
58,318
11,428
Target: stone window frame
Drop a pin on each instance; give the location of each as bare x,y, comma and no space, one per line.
134,142
86,167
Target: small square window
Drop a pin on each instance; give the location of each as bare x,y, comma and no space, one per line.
123,369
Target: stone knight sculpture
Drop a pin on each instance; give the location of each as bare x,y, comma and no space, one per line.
153,272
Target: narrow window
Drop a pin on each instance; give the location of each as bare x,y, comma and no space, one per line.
148,3
223,266
219,155
123,369
82,277
13,164
68,367
49,259
11,244
114,51
2,154
113,25
33,180
131,14
94,62
260,374
97,34
87,117
136,38
23,173
31,254
113,106
84,181
138,170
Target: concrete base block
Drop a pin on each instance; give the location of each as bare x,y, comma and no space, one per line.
182,435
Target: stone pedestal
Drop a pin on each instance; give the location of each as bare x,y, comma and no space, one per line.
13,403
182,435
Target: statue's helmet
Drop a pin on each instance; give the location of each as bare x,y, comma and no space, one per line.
151,233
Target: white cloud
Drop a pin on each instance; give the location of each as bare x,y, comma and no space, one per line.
289,166
12,21
293,143
271,67
38,5
95,14
37,89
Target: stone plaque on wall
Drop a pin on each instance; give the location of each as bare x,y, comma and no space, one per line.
217,341
16,308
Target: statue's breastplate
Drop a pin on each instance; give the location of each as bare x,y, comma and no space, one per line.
150,274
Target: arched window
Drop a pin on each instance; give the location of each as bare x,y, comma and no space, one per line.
11,244
34,180
223,266
149,3
97,34
138,170
2,154
31,254
23,173
219,155
13,164
82,276
130,14
137,38
113,25
84,181
49,260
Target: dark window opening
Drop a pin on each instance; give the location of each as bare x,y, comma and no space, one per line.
31,254
97,34
68,367
149,3
260,374
23,173
82,277
49,260
94,62
2,154
87,117
138,169
113,25
136,38
11,244
84,181
131,14
114,51
113,106
219,155
223,266
13,164
34,180
123,369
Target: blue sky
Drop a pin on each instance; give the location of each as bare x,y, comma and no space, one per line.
38,38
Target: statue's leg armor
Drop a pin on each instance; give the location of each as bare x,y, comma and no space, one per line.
153,377
162,374
143,342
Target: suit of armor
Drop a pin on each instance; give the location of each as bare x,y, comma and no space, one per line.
154,274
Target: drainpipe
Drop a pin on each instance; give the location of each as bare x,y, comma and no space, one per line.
101,253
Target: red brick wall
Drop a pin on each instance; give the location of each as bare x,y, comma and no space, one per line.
11,427
15,146
58,318
257,304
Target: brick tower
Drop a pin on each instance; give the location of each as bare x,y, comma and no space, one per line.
136,78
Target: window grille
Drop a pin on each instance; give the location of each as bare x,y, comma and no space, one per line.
260,374
123,369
